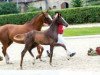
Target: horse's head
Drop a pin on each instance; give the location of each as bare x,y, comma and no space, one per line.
60,20
46,18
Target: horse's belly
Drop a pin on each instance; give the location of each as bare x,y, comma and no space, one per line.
43,40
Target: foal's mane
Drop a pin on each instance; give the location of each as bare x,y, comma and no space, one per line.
53,27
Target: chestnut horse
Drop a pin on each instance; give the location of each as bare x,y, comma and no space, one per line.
47,37
8,31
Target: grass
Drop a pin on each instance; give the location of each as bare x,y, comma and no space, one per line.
81,31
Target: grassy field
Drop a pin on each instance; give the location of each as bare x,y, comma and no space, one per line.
81,31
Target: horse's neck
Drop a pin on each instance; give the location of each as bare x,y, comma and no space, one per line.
36,23
53,28
53,32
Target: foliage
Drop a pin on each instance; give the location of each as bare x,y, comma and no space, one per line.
8,8
92,2
16,18
77,3
81,14
71,15
32,9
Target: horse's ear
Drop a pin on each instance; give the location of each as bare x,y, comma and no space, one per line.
42,13
47,11
59,15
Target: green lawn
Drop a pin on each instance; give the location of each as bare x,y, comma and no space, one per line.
81,31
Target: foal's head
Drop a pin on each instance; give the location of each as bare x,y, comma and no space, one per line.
60,20
46,17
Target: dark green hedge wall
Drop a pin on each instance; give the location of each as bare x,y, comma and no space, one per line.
71,15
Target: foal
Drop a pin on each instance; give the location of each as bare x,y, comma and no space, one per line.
47,37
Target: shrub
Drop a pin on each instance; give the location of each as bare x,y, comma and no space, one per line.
71,15
16,18
76,3
81,14
8,8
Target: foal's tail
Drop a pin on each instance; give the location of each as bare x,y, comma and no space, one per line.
19,38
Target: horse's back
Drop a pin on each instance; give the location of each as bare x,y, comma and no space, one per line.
9,30
39,37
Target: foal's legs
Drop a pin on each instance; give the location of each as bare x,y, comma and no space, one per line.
40,51
22,55
51,53
29,48
58,44
4,50
62,45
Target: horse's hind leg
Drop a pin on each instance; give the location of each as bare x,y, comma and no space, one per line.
4,51
40,51
51,53
30,51
22,55
29,48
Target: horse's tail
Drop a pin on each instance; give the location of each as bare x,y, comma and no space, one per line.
19,38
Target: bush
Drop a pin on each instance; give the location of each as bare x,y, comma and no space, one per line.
71,15
76,3
8,8
16,18
81,14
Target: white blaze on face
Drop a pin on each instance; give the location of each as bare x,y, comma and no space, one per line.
49,16
64,20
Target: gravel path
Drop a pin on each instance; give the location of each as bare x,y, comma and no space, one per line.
80,61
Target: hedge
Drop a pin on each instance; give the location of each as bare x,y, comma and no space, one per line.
81,14
16,18
71,15
8,8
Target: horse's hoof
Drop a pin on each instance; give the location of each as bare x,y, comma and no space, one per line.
1,58
21,68
43,60
68,59
9,63
38,56
33,63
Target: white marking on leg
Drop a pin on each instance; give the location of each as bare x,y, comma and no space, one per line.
33,60
7,59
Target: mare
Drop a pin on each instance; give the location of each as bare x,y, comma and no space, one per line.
8,31
47,37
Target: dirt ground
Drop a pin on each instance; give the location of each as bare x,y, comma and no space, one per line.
80,62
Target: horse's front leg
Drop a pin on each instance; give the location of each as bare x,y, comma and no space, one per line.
62,45
57,44
4,51
51,53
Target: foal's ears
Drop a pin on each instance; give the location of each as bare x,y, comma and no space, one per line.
47,11
43,13
59,15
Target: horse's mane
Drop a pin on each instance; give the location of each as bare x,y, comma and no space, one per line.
32,20
51,28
